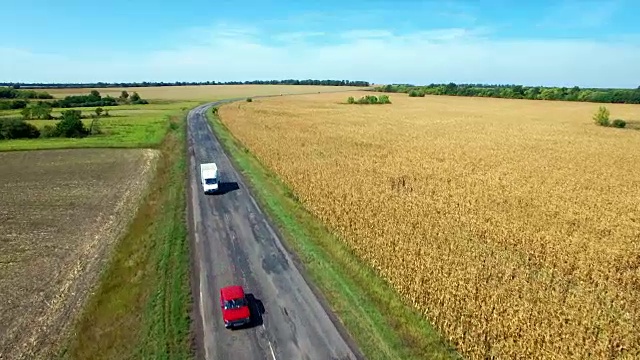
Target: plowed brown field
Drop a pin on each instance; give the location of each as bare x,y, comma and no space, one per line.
60,212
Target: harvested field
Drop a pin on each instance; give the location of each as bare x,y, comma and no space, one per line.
512,224
61,212
204,92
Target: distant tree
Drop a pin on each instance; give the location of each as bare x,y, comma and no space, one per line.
601,117
99,111
124,95
19,104
135,97
95,127
575,93
41,110
71,125
358,83
95,94
26,113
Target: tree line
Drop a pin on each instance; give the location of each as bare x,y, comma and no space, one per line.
93,99
13,93
356,83
606,95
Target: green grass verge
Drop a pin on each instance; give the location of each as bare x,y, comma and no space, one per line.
381,323
140,308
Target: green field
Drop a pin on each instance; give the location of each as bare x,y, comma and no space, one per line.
128,126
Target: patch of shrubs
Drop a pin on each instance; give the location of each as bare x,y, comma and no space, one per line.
17,129
416,93
370,99
95,99
41,110
601,118
249,99
11,93
70,126
13,105
619,123
18,99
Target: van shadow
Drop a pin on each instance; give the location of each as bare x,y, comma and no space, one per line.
256,308
226,187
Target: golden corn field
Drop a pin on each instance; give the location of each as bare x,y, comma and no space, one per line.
513,225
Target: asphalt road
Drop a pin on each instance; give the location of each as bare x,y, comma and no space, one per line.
233,243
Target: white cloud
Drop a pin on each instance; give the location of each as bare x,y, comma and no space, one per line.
237,53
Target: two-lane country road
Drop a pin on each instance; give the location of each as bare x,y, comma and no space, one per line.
232,243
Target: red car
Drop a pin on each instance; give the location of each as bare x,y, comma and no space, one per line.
235,308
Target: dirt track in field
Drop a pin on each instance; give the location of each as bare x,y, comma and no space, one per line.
60,213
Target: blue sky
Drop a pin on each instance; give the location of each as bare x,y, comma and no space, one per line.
565,43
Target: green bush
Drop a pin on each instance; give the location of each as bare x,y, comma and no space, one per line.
15,104
17,129
41,110
619,123
95,128
416,93
370,99
601,117
49,131
71,125
249,99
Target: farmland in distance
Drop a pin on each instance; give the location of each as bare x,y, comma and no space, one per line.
61,212
512,224
205,92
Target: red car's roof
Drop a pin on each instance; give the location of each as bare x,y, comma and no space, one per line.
232,292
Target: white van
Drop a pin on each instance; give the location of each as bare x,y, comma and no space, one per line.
209,177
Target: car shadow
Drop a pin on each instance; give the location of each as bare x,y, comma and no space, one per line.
256,308
226,187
